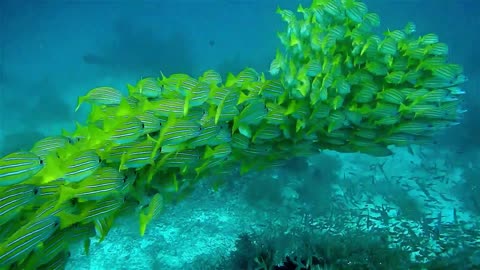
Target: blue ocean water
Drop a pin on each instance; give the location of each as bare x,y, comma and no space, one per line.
51,52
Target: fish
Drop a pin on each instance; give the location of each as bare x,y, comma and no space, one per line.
219,151
103,226
176,131
17,167
276,114
105,182
391,95
395,77
148,87
272,89
223,136
240,141
195,97
181,159
267,132
92,210
14,199
179,130
26,238
81,165
366,93
277,64
124,129
48,145
101,96
138,155
165,107
252,114
48,192
227,104
74,168
437,49
151,122
154,208
428,39
56,245
211,78
245,76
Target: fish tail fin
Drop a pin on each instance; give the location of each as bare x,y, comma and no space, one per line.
208,152
144,220
80,102
242,98
403,108
131,89
236,124
187,103
66,193
219,111
123,160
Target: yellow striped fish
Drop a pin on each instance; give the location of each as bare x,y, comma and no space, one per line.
240,141
57,263
17,246
14,199
211,77
179,159
18,167
148,87
81,165
125,130
165,107
101,96
196,96
152,211
150,122
138,155
48,145
208,132
93,210
57,243
219,151
105,182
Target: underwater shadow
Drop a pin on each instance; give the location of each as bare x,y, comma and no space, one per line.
43,109
134,48
19,141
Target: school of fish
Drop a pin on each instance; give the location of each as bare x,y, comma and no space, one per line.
336,85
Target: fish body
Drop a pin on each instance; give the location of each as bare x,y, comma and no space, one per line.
18,167
101,96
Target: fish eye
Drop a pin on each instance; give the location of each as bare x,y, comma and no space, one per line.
41,161
74,201
143,125
99,160
69,254
200,128
125,179
35,191
55,224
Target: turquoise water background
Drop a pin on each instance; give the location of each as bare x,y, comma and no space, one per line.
51,52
